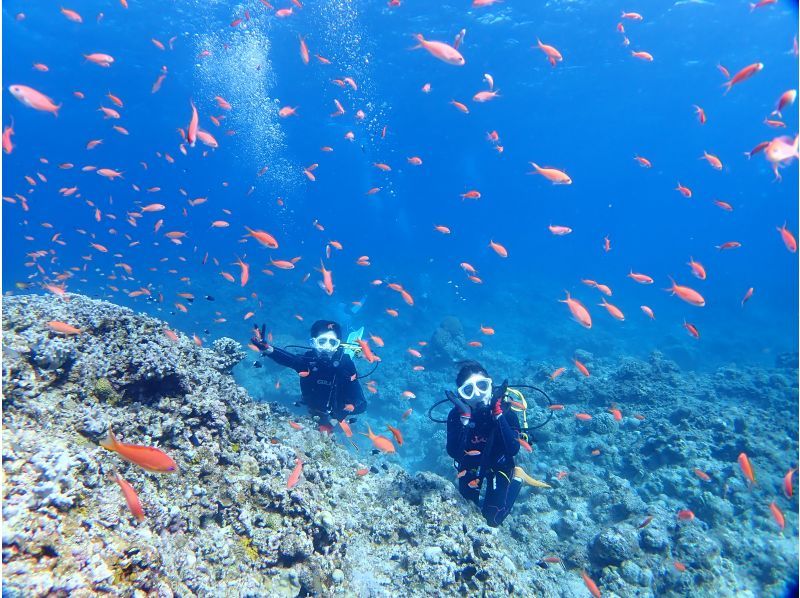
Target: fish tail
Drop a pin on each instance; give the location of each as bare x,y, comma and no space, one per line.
420,39
110,442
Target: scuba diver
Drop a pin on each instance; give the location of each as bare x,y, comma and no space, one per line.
483,436
329,380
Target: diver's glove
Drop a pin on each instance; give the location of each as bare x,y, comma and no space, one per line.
259,338
497,400
497,408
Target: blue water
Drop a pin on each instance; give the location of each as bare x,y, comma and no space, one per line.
588,116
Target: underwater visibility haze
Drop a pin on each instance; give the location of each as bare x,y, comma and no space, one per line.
349,297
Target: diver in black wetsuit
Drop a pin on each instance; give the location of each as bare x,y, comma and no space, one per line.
330,389
482,437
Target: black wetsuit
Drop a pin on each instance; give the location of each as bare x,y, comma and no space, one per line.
330,385
496,439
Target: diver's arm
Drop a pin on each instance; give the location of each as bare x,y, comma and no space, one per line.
508,426
283,357
456,435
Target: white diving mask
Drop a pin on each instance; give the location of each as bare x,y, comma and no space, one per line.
476,386
327,342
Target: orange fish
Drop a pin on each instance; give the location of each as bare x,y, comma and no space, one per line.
613,310
747,469
742,75
777,515
578,311
346,428
100,59
689,295
584,417
697,269
8,131
715,162
788,238
555,176
131,497
498,249
63,328
34,99
646,56
146,457
366,350
685,191
787,482
295,475
524,444
381,443
702,475
442,51
266,239
552,54
327,278
685,515
557,373
701,114
590,585
398,436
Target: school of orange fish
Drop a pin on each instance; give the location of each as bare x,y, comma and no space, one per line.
131,221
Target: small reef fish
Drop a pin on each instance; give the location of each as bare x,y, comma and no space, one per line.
442,51
63,328
590,585
146,457
398,436
579,313
131,498
787,482
777,515
747,468
381,443
294,477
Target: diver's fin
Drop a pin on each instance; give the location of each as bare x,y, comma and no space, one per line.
351,340
520,473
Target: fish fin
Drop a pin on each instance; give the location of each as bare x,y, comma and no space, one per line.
110,442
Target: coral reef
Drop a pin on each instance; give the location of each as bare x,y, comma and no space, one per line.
227,525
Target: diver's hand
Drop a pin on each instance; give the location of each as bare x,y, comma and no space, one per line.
497,408
259,339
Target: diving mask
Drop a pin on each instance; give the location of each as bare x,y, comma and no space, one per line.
326,342
476,387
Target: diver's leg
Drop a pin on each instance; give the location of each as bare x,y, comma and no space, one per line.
467,491
501,493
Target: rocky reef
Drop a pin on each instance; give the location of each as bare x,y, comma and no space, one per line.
226,524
